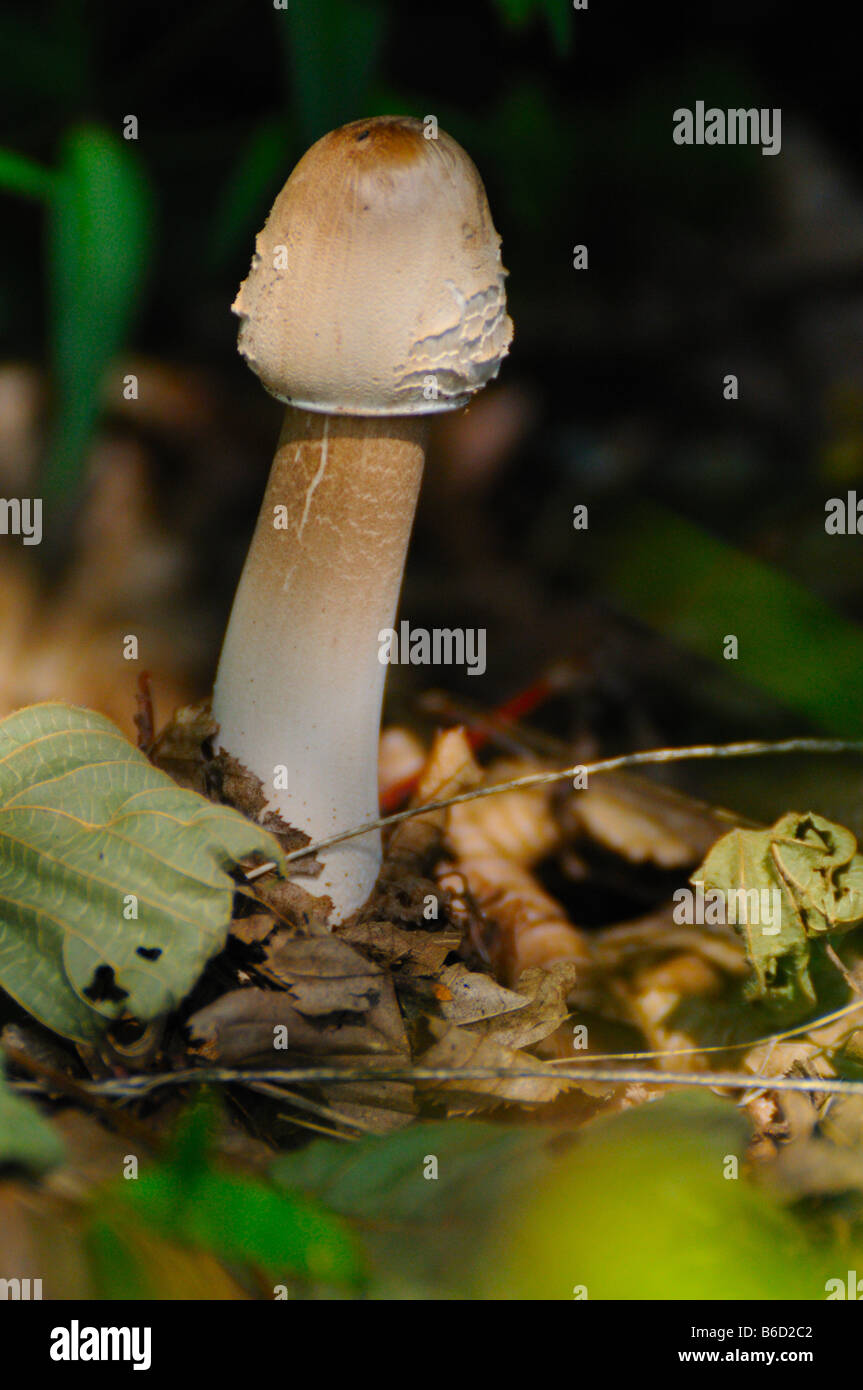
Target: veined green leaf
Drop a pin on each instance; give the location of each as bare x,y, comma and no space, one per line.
114,882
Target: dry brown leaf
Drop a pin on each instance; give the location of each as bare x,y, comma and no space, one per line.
842,1121
489,846
332,1000
546,989
461,1047
656,934
324,975
644,821
518,825
474,996
532,928
240,1028
656,989
179,747
401,757
254,929
410,952
814,1167
800,1111
450,769
294,904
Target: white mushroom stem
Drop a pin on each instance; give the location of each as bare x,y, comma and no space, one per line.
300,683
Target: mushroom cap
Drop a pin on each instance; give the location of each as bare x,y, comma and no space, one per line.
376,287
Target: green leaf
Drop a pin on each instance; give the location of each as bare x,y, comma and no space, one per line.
26,1139
693,588
654,1204
241,1218
422,1198
742,864
813,868
189,1201
90,834
24,176
99,239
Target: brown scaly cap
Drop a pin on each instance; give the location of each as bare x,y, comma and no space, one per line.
378,268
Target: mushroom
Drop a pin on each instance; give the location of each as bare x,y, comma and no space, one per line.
375,298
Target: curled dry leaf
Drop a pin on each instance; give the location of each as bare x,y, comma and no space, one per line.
656,989
450,769
519,825
241,1028
404,889
409,952
489,842
474,996
656,934
644,821
531,927
792,1057
179,749
463,1048
331,1000
546,991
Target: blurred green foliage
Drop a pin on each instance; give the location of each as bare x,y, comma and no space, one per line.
695,589
100,229
650,1205
243,1221
420,1225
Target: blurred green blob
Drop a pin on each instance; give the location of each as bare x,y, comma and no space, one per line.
100,232
332,49
243,1219
117,1267
421,1198
641,1208
24,176
696,590
239,1219
556,13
